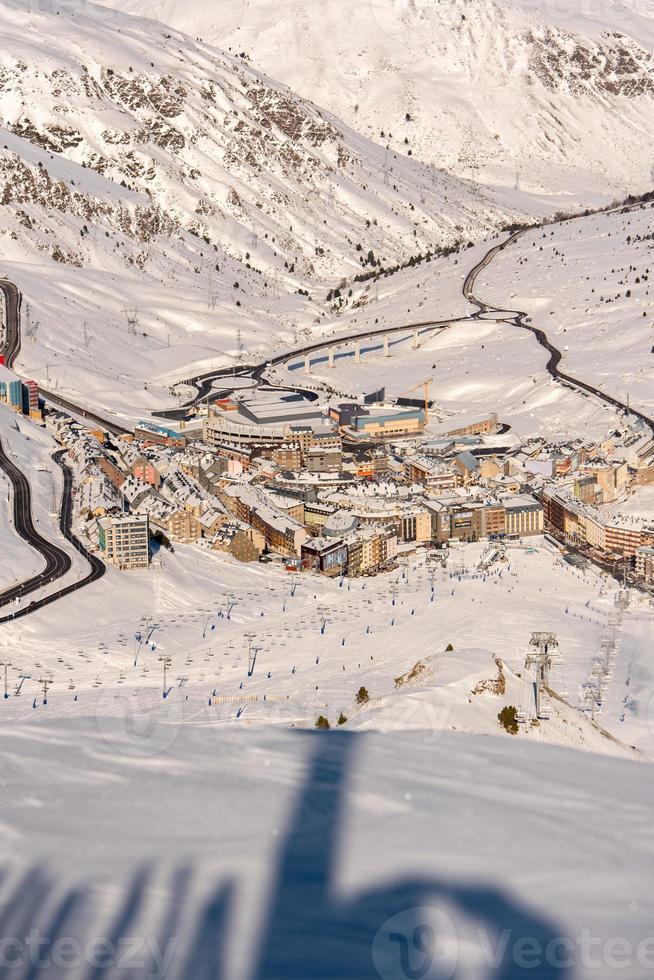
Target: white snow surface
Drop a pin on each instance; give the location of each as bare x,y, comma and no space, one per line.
282,856
101,647
147,172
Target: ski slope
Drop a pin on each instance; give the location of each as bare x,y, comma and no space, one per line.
281,856
318,641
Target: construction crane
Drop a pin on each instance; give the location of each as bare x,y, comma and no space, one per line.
425,386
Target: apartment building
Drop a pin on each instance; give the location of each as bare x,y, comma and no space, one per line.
611,478
387,424
369,549
21,396
438,476
242,542
469,520
282,532
288,457
415,525
524,516
585,524
124,540
644,564
480,427
326,555
182,526
317,514
324,459
625,539
145,471
159,435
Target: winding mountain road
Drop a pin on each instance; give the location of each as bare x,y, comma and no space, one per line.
204,382
57,561
13,299
520,319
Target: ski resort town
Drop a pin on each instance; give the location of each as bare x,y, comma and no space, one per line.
344,488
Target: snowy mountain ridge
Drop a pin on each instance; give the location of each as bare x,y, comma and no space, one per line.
213,148
142,168
522,92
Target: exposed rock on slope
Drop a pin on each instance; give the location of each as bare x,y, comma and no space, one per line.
509,91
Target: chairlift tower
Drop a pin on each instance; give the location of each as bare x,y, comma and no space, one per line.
592,701
622,598
21,680
211,296
31,326
46,683
6,664
542,656
250,637
323,613
132,317
166,662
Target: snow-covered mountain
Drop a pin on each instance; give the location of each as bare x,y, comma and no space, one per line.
557,97
191,140
142,168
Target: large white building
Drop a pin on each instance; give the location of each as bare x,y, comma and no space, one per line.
265,421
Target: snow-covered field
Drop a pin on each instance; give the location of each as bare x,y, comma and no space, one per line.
318,641
91,357
587,284
281,856
478,367
146,173
167,808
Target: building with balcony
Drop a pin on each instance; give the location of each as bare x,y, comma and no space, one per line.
125,540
